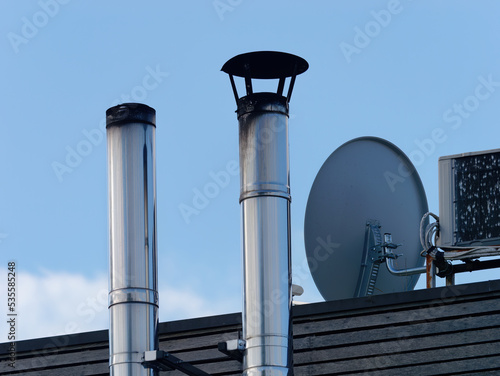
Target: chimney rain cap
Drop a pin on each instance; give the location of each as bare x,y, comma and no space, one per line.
265,65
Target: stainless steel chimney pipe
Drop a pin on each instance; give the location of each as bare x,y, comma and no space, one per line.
265,211
133,296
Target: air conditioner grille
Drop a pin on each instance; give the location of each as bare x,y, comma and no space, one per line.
477,198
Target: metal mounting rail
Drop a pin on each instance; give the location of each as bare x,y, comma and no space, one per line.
371,260
164,361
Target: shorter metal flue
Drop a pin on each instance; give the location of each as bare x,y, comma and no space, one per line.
133,295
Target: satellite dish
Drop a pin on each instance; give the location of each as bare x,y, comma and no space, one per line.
367,187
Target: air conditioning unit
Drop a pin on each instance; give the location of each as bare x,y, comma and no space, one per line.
469,200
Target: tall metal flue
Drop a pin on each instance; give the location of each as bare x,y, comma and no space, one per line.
265,210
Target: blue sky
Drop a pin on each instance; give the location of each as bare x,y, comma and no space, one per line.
424,75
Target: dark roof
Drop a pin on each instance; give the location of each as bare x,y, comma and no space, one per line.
445,330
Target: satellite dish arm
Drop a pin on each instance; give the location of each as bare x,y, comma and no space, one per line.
388,246
404,272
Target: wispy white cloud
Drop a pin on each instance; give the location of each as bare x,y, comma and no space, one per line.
56,303
183,303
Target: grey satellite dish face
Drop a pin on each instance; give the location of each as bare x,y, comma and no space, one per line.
364,182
